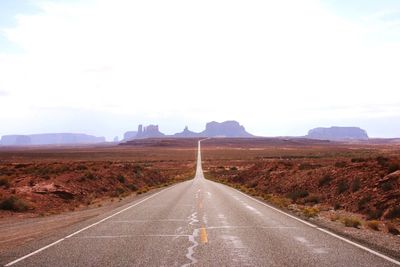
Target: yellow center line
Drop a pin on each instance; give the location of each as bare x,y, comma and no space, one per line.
203,235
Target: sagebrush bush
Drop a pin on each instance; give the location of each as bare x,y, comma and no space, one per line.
121,178
393,167
340,164
342,186
313,199
393,213
383,161
4,182
89,175
376,213
295,195
356,185
358,160
133,187
363,201
325,180
387,186
13,203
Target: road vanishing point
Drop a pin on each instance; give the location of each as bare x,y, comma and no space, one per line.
200,223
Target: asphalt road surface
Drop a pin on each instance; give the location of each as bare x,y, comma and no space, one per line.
200,223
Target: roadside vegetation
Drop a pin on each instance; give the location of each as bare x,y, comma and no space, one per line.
57,180
315,180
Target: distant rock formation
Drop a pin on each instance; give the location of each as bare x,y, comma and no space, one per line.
186,133
149,131
130,135
50,139
338,133
213,129
225,129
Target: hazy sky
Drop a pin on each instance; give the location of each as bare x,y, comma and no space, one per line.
278,67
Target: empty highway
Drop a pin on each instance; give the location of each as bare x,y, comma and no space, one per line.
199,223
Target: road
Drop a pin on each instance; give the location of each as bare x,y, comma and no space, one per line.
200,223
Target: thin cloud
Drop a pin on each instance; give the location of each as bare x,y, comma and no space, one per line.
3,93
99,69
258,62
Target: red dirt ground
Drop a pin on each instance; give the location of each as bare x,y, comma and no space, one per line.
39,181
361,178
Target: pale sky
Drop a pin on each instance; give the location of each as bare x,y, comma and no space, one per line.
278,67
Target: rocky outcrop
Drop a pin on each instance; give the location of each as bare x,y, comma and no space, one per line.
130,135
50,139
225,129
186,133
213,129
150,131
338,133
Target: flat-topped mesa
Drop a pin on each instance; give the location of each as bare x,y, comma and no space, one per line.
225,129
149,131
338,133
50,139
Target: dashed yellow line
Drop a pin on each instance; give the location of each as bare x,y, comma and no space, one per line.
203,235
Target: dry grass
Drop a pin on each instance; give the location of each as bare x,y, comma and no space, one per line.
351,222
374,225
310,212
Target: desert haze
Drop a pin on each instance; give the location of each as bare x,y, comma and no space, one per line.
200,133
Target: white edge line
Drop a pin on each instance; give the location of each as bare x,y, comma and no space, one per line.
85,228
320,229
278,210
360,246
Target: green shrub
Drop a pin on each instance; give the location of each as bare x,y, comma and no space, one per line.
393,167
81,167
340,164
313,199
363,201
297,194
358,160
351,222
382,161
90,176
356,185
393,213
4,182
133,187
137,169
118,192
325,180
13,203
373,214
337,206
342,187
121,179
391,228
387,186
